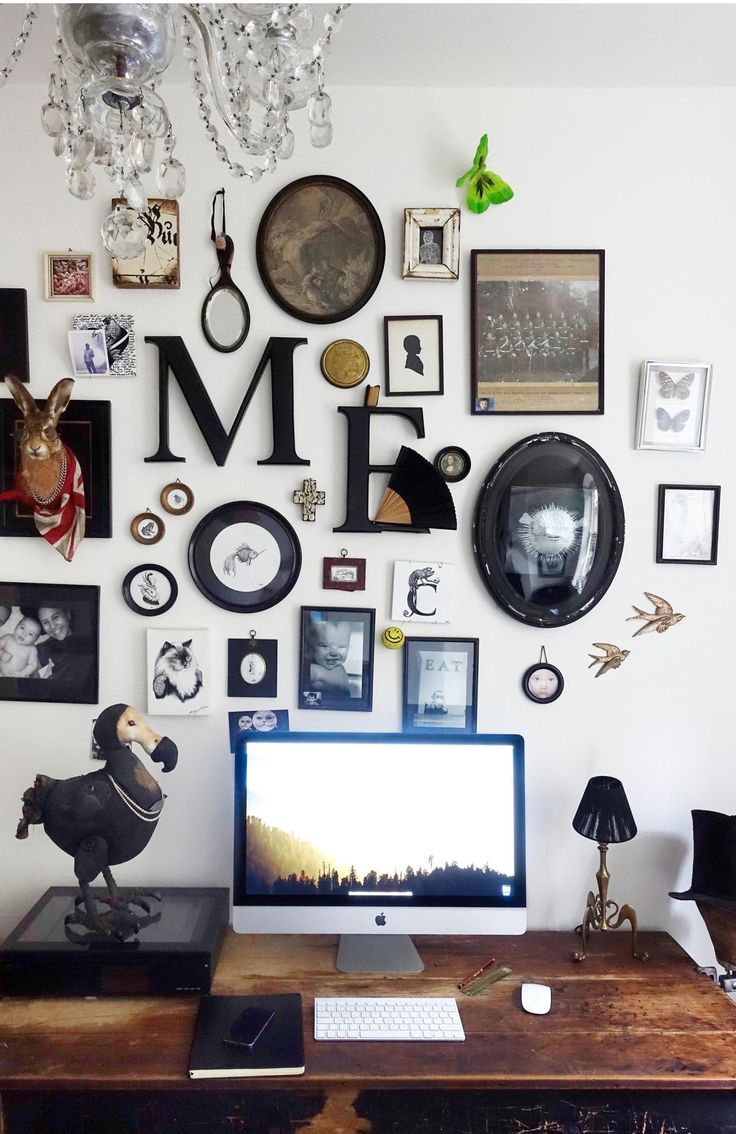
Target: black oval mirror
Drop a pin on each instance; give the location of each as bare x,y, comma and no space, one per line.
225,312
225,317
548,531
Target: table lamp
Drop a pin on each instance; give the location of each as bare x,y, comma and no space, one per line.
604,814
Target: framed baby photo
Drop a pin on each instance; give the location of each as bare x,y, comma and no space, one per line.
68,275
413,349
431,244
440,692
49,642
687,523
672,413
178,672
252,667
336,658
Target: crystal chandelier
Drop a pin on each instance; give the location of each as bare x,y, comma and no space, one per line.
252,65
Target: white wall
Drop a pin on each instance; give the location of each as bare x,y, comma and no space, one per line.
646,175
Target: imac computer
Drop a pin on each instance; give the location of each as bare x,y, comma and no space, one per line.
376,836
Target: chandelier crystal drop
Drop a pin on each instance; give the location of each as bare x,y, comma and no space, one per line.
252,65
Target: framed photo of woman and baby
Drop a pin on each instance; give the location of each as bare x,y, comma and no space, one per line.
49,642
336,660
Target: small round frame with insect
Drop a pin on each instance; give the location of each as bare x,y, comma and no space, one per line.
453,463
177,498
543,682
147,527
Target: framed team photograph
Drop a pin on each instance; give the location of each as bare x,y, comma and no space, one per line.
431,244
440,691
336,658
49,642
672,411
687,523
413,349
68,275
537,331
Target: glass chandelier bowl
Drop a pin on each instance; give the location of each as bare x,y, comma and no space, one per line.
134,42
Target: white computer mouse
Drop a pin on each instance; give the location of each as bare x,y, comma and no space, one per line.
536,998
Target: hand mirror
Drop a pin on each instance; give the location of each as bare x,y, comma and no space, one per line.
225,313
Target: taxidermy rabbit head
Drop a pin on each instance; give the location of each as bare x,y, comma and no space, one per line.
41,448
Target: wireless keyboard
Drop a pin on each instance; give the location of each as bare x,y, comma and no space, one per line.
387,1018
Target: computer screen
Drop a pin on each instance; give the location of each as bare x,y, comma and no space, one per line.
377,835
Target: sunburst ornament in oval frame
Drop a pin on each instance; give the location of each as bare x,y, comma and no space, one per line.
551,533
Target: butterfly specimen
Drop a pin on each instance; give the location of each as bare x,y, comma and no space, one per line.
676,421
671,388
484,187
611,659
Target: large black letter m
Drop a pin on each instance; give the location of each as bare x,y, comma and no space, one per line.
174,357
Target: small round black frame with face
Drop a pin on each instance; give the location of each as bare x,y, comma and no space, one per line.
542,683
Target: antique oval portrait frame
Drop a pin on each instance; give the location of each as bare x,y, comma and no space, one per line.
320,249
548,530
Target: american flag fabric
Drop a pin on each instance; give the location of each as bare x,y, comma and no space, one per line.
60,522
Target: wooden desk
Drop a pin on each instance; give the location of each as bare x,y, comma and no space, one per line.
628,1046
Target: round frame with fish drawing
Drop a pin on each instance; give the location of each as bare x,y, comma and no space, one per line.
244,556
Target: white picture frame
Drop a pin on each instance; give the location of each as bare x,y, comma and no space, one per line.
431,244
674,399
177,672
88,353
423,591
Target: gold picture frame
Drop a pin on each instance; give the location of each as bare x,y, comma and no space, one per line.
68,276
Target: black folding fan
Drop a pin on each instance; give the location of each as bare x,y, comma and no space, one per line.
416,495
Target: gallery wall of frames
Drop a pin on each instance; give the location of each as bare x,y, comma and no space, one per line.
465,488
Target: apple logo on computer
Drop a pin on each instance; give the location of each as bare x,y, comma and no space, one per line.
380,919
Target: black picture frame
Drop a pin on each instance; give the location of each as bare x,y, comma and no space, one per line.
142,591
453,463
220,551
403,378
687,527
14,333
537,331
440,685
252,667
539,553
346,634
67,644
85,428
328,224
542,683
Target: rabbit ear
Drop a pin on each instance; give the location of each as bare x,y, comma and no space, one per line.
20,395
58,399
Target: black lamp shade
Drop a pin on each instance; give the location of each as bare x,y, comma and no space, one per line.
603,813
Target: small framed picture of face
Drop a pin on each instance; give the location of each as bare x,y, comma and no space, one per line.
243,723
414,363
542,682
252,669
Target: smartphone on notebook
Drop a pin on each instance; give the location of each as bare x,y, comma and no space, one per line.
248,1027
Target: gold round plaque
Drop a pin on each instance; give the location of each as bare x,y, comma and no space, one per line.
345,363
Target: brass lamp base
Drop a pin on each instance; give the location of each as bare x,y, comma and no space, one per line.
604,914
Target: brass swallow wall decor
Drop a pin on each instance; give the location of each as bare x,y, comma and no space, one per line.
660,619
611,658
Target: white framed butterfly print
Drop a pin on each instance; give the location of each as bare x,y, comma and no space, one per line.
673,405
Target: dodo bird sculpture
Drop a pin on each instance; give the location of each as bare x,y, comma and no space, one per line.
104,818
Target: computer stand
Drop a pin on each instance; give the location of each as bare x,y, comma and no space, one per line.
374,953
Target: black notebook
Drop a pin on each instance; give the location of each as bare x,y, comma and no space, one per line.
278,1050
